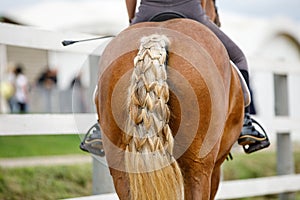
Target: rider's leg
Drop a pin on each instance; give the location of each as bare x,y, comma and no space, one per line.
249,135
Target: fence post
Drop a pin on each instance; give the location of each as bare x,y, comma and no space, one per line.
3,68
94,74
102,180
285,161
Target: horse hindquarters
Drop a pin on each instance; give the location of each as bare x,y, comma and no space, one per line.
198,102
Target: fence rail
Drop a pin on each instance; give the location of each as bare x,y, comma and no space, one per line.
238,188
42,124
259,186
44,39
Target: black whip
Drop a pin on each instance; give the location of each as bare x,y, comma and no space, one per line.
69,42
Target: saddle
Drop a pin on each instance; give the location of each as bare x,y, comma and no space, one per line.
164,16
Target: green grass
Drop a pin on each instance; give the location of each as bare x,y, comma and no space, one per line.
260,164
249,166
58,182
39,145
37,183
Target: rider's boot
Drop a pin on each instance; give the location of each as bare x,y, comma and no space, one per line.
250,138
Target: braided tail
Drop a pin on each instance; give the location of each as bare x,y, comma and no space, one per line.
153,172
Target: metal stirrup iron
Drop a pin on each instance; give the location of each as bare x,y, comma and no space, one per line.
257,145
92,141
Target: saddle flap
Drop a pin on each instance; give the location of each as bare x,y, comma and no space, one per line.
246,91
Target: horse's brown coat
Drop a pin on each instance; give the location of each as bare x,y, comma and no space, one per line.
206,102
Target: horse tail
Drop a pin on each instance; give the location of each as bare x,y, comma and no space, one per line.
152,170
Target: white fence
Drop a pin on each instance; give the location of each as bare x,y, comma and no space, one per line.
67,123
238,189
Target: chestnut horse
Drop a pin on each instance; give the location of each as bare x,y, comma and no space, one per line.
170,107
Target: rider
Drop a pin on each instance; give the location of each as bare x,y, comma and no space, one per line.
250,138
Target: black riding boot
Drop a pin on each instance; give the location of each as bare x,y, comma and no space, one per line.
250,138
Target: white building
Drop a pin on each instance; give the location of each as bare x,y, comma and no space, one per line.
273,50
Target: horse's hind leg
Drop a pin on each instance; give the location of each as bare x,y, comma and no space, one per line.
201,184
215,180
197,187
198,176
120,183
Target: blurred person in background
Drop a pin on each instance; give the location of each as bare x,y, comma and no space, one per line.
21,89
48,78
47,82
7,88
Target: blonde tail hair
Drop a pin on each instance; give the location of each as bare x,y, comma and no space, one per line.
152,170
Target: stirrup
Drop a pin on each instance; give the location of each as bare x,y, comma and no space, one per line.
257,145
92,141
